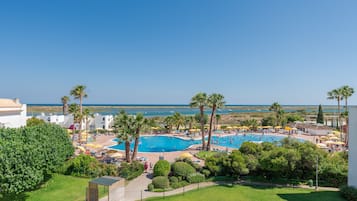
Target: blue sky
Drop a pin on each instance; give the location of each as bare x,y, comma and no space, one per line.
252,52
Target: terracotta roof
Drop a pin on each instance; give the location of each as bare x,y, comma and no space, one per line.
9,103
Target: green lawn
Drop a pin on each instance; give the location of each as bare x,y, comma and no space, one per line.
60,187
248,193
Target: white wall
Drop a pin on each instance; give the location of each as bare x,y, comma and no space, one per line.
352,147
14,119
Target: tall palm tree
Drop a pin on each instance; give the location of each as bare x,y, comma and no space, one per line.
125,126
200,100
189,120
336,94
276,107
78,92
214,101
65,100
347,92
139,123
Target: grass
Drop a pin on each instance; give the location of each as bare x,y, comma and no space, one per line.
61,187
250,193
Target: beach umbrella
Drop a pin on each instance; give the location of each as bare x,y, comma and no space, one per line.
329,142
186,155
336,132
330,135
338,143
81,148
288,128
334,138
277,127
267,127
116,155
321,145
244,127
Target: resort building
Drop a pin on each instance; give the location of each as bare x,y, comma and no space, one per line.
53,119
352,148
103,121
12,113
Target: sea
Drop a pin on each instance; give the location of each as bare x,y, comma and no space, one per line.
151,110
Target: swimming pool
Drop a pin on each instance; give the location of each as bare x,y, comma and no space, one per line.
169,143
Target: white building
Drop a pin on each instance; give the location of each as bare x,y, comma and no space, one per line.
53,119
12,113
352,148
103,121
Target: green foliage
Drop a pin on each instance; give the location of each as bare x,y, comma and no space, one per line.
84,166
320,116
269,121
132,170
28,154
173,179
294,117
236,164
182,169
33,121
250,148
195,178
162,168
204,154
348,192
206,172
198,118
160,182
151,187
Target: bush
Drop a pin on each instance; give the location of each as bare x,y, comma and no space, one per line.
182,169
30,153
179,184
174,179
162,168
349,193
83,166
195,178
206,172
131,171
160,182
150,187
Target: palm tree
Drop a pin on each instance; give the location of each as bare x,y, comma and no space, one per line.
200,100
65,100
86,115
125,125
346,93
139,123
217,117
214,101
169,122
78,92
336,94
178,120
189,120
74,110
275,107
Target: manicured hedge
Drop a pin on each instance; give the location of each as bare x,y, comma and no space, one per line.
162,168
161,182
132,170
195,178
349,193
182,169
28,154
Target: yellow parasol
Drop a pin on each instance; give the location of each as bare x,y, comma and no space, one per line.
81,148
330,135
288,128
338,143
186,155
277,127
333,138
321,145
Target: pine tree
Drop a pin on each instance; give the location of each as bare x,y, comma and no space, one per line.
320,116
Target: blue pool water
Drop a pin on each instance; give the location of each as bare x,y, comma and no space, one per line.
168,144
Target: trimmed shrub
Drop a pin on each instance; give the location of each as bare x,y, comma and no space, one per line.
349,193
206,172
161,168
195,178
160,182
150,187
174,179
131,171
182,169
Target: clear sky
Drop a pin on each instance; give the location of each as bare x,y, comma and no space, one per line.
165,51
